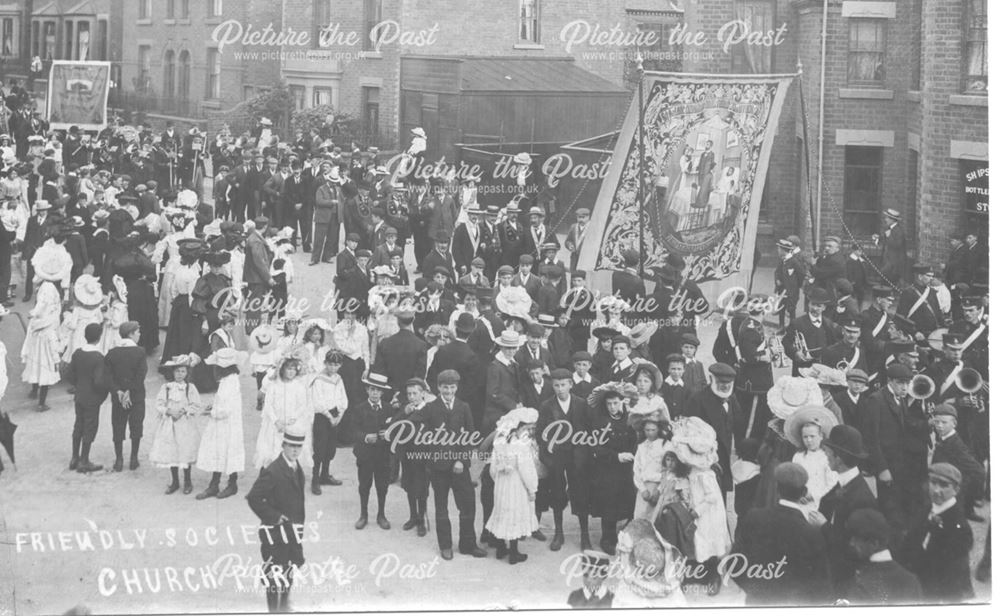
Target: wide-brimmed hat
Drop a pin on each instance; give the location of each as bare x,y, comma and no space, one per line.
637,419
377,380
600,393
695,442
263,339
604,332
522,158
791,393
192,247
514,302
419,132
653,564
648,366
826,376
815,414
226,357
642,333
188,360
49,264
87,290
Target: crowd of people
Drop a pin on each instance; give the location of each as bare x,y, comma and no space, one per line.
497,369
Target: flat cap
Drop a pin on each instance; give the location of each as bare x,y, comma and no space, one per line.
722,372
560,374
898,371
581,356
945,409
945,471
448,377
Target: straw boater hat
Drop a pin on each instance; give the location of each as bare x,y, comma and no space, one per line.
293,435
695,442
509,339
825,375
791,393
263,339
812,414
654,372
188,360
419,132
377,380
226,357
642,333
87,290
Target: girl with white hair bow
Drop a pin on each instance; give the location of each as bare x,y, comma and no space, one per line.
515,479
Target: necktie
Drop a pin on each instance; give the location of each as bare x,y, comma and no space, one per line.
376,407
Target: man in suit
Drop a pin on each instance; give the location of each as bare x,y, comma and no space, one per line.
511,236
787,533
830,266
257,273
937,549
875,335
327,212
892,241
851,399
977,259
369,423
449,466
468,243
717,406
919,303
535,235
706,178
439,257
724,350
503,389
844,449
627,284
278,499
525,278
955,268
576,234
402,356
382,253
273,189
127,366
241,182
789,278
949,447
562,484
457,355
817,332
476,276
754,375
35,234
293,203
879,579
549,261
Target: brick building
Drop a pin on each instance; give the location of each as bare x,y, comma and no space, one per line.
905,115
172,62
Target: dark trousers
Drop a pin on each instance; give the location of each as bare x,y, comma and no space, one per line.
465,499
486,485
325,240
87,419
299,221
552,489
221,209
373,471
29,273
278,581
421,244
238,208
133,417
789,308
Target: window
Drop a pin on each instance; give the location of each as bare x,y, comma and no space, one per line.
68,41
184,76
168,74
866,52
146,9
862,189
299,96
213,8
369,105
660,55
84,49
214,74
142,79
49,52
528,30
8,37
185,9
975,46
373,15
321,20
756,16
171,9
322,96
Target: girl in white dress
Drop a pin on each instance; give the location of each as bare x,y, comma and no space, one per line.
41,349
221,450
515,477
806,429
286,403
87,309
647,467
314,342
178,406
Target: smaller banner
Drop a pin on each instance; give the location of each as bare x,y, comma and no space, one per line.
78,95
976,185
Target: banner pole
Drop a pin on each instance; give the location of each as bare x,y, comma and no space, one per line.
642,172
805,147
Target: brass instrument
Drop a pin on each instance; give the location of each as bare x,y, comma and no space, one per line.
843,365
922,388
802,347
971,383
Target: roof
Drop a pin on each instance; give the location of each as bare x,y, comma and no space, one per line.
654,6
83,8
530,75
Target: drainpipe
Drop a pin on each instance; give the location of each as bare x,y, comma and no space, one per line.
822,127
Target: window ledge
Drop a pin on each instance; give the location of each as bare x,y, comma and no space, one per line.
213,20
969,100
213,103
867,93
914,96
184,22
169,22
371,55
528,46
144,22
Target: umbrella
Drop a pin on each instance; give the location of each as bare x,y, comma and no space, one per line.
7,428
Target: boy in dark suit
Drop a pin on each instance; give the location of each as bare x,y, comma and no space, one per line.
85,374
595,594
525,278
583,381
535,387
675,390
880,580
127,364
949,447
371,419
278,499
694,371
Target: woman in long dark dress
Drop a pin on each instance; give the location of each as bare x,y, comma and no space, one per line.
211,293
137,270
184,326
613,494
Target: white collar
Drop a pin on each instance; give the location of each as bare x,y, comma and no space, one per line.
601,591
581,379
90,347
883,556
500,357
796,506
291,463
847,476
854,397
127,342
624,364
670,381
946,436
564,405
945,506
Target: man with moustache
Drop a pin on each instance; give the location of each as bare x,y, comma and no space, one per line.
511,235
817,332
919,303
848,350
278,499
327,211
830,266
467,243
717,406
875,330
789,277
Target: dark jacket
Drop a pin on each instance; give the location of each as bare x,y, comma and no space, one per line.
257,265
782,534
86,373
709,407
954,451
837,505
459,356
401,357
128,372
279,491
943,565
893,433
365,421
883,583
502,392
443,453
554,449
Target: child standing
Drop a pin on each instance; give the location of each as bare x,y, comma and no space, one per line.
41,349
116,315
221,449
370,421
647,468
329,403
89,297
178,404
675,390
86,374
807,428
286,403
515,481
263,345
694,371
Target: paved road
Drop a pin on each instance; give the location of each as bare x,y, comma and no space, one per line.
115,542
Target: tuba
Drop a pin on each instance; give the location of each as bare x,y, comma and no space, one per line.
971,383
921,387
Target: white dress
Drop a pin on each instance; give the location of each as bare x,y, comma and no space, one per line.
168,247
221,449
711,535
41,350
117,314
175,443
73,326
822,478
287,401
647,471
515,476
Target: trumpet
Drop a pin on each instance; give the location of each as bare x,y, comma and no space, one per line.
802,347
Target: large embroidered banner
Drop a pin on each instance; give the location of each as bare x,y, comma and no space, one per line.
707,145
78,95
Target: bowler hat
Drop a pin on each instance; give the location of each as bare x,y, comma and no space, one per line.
898,371
465,324
846,439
